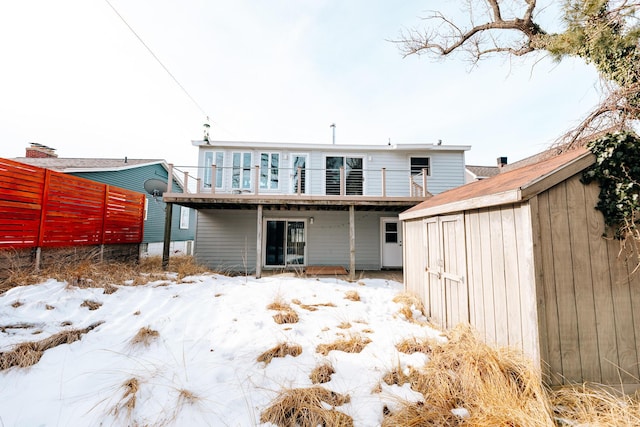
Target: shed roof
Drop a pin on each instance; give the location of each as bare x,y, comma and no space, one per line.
507,187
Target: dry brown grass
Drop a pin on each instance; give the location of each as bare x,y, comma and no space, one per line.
594,405
312,307
29,353
144,336
352,295
353,344
280,350
413,345
307,407
128,400
322,373
497,387
91,305
409,303
286,316
91,273
344,325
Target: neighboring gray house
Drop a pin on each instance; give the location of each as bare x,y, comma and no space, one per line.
130,174
283,205
477,173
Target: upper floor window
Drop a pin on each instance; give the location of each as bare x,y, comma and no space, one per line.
241,171
353,175
269,168
213,158
418,164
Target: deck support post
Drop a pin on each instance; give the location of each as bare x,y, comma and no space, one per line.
259,244
167,235
352,243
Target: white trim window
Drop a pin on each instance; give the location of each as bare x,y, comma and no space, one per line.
269,171
213,158
184,218
420,163
241,170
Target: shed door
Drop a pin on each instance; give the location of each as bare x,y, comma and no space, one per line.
446,263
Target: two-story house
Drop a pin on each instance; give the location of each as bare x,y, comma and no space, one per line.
283,205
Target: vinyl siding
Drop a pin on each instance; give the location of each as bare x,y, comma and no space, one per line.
133,179
226,239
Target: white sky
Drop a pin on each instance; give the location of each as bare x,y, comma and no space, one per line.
73,77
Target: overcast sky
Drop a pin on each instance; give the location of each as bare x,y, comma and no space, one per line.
75,78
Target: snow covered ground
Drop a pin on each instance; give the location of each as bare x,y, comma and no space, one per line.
201,368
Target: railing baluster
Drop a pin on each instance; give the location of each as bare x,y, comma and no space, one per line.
384,182
214,176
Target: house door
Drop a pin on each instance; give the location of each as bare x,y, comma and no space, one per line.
391,243
446,265
285,243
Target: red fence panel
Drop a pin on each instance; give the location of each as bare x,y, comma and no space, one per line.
45,208
21,189
124,217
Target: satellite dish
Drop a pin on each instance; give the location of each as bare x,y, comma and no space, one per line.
155,187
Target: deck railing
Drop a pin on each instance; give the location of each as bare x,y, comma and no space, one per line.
299,181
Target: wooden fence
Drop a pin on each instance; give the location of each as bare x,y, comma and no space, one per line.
43,208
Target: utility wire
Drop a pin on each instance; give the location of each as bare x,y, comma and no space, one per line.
156,58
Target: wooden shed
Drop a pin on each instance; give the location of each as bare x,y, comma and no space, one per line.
521,257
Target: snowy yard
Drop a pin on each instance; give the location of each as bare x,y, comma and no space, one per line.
186,354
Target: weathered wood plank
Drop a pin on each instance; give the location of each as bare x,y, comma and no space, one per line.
499,284
487,277
564,283
545,267
512,277
582,281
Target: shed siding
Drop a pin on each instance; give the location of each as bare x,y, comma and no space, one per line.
226,239
590,299
499,266
413,253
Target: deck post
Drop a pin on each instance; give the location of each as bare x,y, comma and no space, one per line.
170,178
424,182
384,182
167,236
342,182
259,244
256,181
352,243
213,179
186,181
299,189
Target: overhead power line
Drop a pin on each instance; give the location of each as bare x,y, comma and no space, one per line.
156,58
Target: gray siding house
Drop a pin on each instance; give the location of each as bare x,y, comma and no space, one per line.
297,206
130,174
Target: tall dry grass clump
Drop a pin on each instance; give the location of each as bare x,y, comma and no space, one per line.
352,344
307,407
322,373
496,387
91,273
29,353
144,336
594,405
409,303
281,350
129,398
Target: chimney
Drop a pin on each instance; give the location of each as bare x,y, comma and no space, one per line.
502,162
40,151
